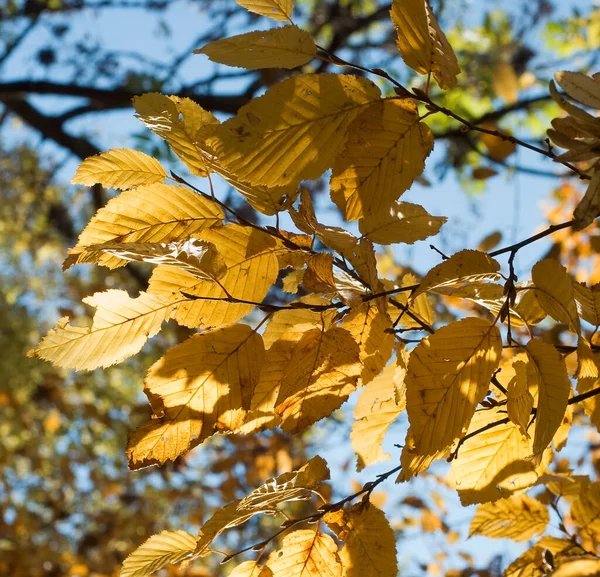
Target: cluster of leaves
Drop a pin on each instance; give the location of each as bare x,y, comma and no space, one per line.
338,327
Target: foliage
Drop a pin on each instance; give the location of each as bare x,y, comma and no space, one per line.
280,327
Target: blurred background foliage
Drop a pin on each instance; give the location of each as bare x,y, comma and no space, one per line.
68,70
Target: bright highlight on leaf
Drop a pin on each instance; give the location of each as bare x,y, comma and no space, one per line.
119,168
287,47
276,9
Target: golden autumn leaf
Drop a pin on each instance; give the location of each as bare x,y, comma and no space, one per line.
498,148
553,393
377,407
286,47
589,207
120,328
404,222
294,131
386,150
518,517
281,336
251,569
119,168
555,293
466,266
368,326
448,375
293,486
369,543
421,42
588,302
519,399
583,567
306,553
166,548
158,213
322,373
585,511
252,267
198,388
177,121
494,463
580,87
194,256
275,9
533,563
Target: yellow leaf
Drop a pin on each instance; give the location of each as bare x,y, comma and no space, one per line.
286,47
294,131
494,463
322,373
585,511
419,307
498,148
520,400
368,326
584,567
293,486
376,409
533,563
157,213
177,121
505,81
386,150
275,9
421,42
120,328
518,518
591,406
251,569
166,548
369,543
198,388
588,302
581,87
198,258
462,267
448,376
554,389
252,267
589,207
306,553
405,223
555,293
119,168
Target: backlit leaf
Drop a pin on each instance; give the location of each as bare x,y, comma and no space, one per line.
293,486
386,150
294,131
286,47
520,400
465,266
119,168
177,121
555,293
589,207
276,9
158,213
580,87
120,328
252,267
166,548
494,463
200,387
421,42
518,518
404,222
369,543
554,388
448,376
322,373
306,553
